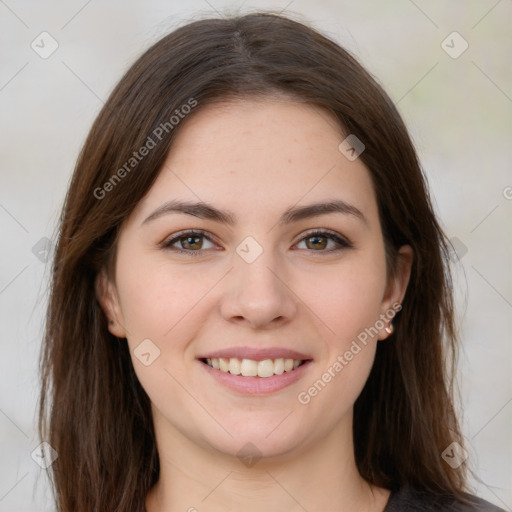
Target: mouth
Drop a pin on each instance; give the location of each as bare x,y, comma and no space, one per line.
263,368
255,371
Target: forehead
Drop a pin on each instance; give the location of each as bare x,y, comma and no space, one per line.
260,156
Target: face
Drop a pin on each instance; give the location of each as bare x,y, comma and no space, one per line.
267,280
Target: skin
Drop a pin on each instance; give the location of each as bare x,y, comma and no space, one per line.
268,155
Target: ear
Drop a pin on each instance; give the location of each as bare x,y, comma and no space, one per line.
107,297
396,288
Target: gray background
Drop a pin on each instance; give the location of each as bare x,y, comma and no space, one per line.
458,111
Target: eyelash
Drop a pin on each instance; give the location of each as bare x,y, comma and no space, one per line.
344,243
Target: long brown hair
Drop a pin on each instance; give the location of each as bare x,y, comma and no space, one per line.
93,411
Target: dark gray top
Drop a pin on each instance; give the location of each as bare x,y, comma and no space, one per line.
407,499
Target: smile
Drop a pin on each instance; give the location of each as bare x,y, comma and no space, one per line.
253,368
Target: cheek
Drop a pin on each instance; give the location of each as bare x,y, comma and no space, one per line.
162,310
157,300
346,298
160,320
348,303
349,308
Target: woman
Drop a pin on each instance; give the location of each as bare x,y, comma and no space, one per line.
251,303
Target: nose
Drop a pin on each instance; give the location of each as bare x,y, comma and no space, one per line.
259,293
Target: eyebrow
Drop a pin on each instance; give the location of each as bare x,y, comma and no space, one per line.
293,214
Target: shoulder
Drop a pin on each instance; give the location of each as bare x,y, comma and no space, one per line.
408,499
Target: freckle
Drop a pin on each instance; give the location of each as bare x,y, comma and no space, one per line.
289,160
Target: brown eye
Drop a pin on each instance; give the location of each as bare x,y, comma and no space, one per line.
190,242
318,241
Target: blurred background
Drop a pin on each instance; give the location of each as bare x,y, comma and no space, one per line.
447,66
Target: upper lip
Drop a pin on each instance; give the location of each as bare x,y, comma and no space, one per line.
257,354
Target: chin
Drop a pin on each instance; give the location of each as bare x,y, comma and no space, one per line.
251,444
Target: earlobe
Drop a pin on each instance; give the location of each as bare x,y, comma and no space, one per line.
107,297
396,288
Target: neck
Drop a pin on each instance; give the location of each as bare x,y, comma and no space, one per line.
323,476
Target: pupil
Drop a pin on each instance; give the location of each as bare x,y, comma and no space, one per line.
318,238
187,239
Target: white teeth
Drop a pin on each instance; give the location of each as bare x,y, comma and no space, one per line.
249,368
252,368
279,366
266,368
224,364
235,366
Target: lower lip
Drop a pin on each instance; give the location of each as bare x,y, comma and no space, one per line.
257,385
